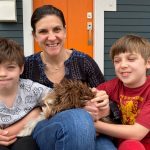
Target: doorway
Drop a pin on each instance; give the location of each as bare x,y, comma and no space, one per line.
79,23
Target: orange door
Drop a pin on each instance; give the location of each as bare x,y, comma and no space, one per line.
79,22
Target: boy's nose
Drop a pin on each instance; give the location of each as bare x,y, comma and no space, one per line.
124,64
3,72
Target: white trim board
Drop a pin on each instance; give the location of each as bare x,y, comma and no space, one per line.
27,30
99,7
98,49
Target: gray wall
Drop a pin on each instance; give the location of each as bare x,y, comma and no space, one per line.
132,16
14,30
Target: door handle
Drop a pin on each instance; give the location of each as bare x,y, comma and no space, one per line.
89,28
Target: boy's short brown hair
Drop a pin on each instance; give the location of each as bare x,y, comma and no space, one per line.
131,43
11,51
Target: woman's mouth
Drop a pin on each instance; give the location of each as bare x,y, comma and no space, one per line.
52,45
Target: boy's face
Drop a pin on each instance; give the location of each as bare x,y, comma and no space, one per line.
9,75
131,69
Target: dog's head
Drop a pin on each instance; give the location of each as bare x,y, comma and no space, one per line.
66,95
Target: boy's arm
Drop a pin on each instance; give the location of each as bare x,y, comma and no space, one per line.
9,135
136,131
17,127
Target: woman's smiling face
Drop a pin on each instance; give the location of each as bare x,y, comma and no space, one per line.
50,34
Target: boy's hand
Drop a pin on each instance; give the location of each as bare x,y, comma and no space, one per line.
98,107
93,110
6,140
101,98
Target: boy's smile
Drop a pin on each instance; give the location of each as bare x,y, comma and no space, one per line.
125,74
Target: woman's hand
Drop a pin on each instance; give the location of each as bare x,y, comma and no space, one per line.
98,107
5,139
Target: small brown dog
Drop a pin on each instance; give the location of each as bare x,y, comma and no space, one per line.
67,95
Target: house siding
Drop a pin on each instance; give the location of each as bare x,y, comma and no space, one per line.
132,16
14,30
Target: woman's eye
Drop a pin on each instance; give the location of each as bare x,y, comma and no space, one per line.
56,30
43,31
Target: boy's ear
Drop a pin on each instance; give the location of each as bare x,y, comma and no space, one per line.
148,63
21,69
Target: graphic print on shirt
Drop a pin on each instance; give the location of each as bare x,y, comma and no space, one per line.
29,96
129,107
6,115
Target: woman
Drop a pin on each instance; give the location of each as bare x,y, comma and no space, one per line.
71,129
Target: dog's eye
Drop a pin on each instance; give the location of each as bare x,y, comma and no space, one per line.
50,101
44,105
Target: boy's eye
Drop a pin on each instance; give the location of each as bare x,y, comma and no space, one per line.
11,67
131,59
116,61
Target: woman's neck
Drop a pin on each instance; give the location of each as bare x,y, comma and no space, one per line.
55,62
54,67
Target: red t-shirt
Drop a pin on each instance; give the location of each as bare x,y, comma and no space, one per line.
134,103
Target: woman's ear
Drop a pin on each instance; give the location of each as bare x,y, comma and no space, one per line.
34,35
64,29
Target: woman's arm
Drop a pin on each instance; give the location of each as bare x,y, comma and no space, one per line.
93,72
135,131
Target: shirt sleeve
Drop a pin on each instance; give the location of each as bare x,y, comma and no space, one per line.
40,92
94,74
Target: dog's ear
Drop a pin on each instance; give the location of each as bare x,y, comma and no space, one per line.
48,103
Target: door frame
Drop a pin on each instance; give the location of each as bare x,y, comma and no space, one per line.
99,6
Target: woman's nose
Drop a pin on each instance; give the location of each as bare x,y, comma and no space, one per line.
51,36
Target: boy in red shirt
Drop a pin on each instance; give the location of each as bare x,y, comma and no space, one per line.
131,90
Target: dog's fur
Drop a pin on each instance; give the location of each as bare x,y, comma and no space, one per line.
66,95
29,127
